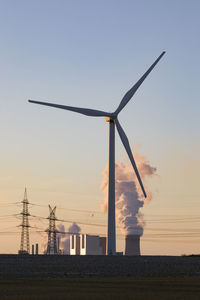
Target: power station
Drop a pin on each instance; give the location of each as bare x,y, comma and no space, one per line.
85,244
79,243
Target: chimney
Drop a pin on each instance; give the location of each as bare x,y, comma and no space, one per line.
36,249
132,245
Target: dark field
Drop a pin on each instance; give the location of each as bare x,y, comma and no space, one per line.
100,277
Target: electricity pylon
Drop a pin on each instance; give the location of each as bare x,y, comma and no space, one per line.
25,244
52,245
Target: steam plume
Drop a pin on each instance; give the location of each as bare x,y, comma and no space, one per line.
129,197
64,238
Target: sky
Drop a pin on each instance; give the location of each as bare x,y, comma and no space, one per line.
89,54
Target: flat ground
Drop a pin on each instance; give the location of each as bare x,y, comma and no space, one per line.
99,277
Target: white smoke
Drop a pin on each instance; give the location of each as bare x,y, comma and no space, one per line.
129,197
64,236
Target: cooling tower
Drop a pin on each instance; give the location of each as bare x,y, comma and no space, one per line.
132,245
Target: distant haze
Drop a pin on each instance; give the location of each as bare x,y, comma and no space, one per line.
64,237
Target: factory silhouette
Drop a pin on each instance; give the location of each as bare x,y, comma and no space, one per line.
79,244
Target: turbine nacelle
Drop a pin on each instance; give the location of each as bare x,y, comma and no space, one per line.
111,118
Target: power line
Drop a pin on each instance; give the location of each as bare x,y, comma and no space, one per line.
164,221
71,209
9,204
177,217
7,216
190,219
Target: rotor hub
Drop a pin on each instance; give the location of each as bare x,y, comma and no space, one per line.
110,119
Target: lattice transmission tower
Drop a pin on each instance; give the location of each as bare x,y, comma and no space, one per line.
52,244
25,243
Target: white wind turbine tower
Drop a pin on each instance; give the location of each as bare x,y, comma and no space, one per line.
113,120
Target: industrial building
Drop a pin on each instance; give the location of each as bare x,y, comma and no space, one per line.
92,245
85,244
75,244
132,245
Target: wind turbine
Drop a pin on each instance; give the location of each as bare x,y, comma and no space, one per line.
113,121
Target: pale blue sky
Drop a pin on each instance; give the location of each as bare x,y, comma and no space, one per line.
89,53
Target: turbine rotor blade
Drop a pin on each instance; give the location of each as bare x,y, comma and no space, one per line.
126,144
83,111
127,97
